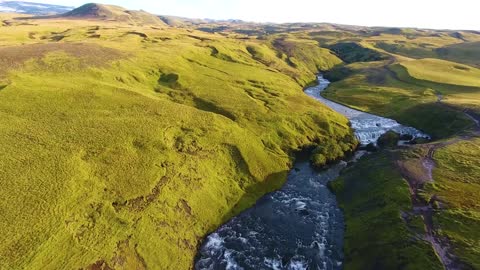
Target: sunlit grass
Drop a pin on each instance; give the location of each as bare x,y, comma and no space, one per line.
124,147
442,71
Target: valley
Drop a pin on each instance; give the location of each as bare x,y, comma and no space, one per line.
128,138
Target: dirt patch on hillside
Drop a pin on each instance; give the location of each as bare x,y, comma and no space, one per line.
126,256
417,172
89,54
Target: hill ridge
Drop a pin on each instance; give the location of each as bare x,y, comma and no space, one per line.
96,11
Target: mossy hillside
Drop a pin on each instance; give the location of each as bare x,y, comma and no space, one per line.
380,88
408,41
297,57
457,188
402,91
442,71
351,52
304,54
136,158
461,47
467,53
414,44
405,92
453,94
456,80
457,98
407,49
373,195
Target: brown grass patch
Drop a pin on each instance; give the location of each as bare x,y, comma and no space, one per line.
89,54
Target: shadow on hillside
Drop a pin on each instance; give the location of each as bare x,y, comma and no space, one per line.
208,106
436,119
254,192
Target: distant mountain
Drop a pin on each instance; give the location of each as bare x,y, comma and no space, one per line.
32,8
104,12
112,13
181,21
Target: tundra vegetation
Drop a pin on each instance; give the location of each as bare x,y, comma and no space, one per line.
127,137
124,143
429,80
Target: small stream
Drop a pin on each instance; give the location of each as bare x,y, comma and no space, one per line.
299,226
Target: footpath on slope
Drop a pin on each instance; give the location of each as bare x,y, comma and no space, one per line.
417,179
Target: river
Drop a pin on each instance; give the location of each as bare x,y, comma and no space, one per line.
299,226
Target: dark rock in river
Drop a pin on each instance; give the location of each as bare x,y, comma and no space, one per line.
303,212
371,147
389,139
406,137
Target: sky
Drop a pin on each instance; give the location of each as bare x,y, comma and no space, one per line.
437,14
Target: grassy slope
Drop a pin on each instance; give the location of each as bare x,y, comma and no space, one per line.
407,92
467,53
131,160
457,186
443,72
373,87
373,194
456,96
461,47
403,88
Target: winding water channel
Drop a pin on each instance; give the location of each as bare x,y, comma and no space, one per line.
299,226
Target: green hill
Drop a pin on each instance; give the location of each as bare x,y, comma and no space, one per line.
442,71
467,53
113,13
